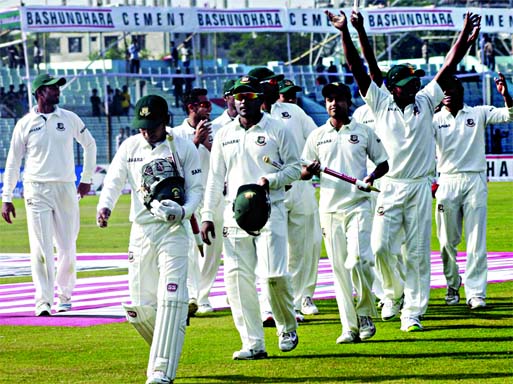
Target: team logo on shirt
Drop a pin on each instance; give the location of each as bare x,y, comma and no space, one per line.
470,123
260,140
225,232
172,287
60,127
440,207
285,115
353,139
29,202
130,257
380,211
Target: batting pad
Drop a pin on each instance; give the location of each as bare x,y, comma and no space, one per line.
169,328
142,318
282,305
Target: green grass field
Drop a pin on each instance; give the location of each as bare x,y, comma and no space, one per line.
456,346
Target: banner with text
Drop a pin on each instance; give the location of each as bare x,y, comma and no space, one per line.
185,20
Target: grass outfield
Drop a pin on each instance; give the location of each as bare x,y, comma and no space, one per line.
457,345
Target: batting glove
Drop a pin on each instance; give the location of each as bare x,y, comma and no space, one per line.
167,210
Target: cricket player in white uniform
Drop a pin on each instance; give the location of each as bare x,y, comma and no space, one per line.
159,241
462,193
405,115
237,158
304,232
364,115
45,138
197,128
344,145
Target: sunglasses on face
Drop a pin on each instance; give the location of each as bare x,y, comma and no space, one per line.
203,104
270,82
246,96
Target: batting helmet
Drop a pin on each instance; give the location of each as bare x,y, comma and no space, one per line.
252,208
162,181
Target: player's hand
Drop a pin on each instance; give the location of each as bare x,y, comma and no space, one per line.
500,83
264,183
102,217
167,210
369,179
207,229
7,209
356,20
314,168
338,21
203,134
83,189
472,26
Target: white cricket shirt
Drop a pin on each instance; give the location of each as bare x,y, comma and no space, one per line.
46,143
345,151
237,157
460,140
408,137
127,165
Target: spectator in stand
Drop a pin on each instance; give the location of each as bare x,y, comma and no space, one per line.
2,101
333,69
116,103
21,56
120,137
497,136
125,101
174,55
13,56
186,54
489,54
188,81
425,51
10,101
38,55
23,100
178,83
133,51
96,103
321,79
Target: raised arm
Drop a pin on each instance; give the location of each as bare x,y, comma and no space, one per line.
469,34
502,88
374,70
353,58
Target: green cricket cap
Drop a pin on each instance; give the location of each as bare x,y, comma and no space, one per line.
402,74
287,85
44,79
150,112
264,73
246,84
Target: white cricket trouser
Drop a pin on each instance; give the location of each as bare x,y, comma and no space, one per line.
377,285
347,241
304,239
209,265
265,256
404,204
52,214
459,197
157,274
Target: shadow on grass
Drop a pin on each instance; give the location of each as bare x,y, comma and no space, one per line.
351,378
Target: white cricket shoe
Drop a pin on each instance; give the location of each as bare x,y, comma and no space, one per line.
391,308
288,341
299,317
308,307
43,309
476,303
367,329
453,295
64,306
205,308
348,337
158,377
249,354
411,324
